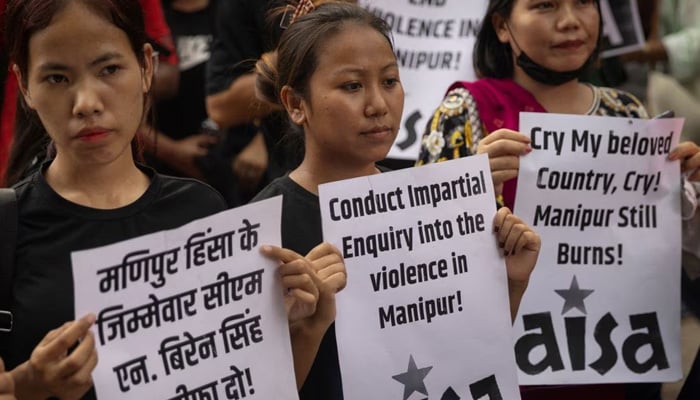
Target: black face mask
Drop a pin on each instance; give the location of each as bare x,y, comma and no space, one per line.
547,76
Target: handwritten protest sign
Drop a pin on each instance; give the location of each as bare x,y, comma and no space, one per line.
425,310
194,312
603,304
433,44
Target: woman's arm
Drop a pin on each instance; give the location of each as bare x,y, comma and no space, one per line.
52,370
521,247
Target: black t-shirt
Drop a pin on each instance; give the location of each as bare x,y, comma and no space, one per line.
193,33
51,227
243,33
301,232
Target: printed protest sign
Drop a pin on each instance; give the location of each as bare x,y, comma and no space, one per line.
433,44
622,28
425,311
194,312
603,304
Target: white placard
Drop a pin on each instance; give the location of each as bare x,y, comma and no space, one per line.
425,312
603,304
622,27
193,311
433,43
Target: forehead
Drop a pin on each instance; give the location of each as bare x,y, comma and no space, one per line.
355,45
74,33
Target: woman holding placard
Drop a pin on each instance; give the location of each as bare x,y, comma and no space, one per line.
85,73
336,75
530,55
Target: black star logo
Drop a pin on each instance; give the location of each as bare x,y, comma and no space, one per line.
413,379
573,297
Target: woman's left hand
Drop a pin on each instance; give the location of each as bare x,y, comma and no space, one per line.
689,154
299,282
330,270
521,245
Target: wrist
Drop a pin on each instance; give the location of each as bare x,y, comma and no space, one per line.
26,385
517,287
516,290
309,327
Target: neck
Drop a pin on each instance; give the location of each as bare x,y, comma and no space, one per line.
313,172
108,186
571,97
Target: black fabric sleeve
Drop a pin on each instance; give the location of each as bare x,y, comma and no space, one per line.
240,39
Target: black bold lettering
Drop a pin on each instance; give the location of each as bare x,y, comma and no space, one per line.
486,387
651,337
608,353
546,337
576,339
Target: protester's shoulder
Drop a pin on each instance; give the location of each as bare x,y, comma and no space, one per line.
26,186
619,103
465,98
454,126
456,91
455,104
486,89
277,187
295,196
190,192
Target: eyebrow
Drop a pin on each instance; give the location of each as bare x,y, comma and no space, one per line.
361,70
54,66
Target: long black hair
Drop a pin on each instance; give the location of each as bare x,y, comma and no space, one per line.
23,18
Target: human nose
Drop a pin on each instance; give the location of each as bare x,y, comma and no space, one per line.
376,104
569,18
87,101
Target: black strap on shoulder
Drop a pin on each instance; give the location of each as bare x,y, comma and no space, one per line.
8,242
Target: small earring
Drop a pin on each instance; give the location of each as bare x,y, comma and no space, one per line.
156,61
297,116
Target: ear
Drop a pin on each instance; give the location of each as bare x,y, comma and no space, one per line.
22,87
294,104
500,26
148,68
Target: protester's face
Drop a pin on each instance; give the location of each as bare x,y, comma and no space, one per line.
558,34
353,109
86,85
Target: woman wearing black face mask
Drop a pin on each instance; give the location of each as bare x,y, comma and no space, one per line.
529,55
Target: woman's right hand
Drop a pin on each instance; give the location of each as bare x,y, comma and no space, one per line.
689,155
504,148
58,371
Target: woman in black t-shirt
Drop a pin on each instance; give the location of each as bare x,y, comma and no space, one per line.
90,98
337,77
